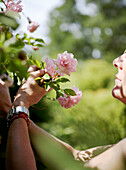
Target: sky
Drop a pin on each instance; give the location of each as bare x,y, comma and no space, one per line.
38,10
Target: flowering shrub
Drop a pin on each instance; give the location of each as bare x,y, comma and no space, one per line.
11,5
14,60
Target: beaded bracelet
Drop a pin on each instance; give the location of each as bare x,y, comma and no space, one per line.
18,112
15,116
21,115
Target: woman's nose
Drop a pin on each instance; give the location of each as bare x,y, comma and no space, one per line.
116,62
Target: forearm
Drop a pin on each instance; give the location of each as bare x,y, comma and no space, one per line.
19,152
38,136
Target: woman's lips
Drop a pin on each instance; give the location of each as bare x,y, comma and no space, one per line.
118,82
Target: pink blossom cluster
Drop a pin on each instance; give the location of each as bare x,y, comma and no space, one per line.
70,101
33,26
65,62
50,67
11,5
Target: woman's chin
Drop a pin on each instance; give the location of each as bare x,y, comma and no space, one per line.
116,92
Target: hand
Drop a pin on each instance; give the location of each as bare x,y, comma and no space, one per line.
5,100
30,92
86,155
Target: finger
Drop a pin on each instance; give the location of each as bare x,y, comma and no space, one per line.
2,83
37,73
32,68
82,158
23,81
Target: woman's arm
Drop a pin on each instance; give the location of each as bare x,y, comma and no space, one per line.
112,159
52,152
38,137
19,154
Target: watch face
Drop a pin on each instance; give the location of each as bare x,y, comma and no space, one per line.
17,110
22,109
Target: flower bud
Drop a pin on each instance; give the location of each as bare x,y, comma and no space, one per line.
22,56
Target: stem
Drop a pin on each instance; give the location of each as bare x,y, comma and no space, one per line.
29,20
5,68
4,3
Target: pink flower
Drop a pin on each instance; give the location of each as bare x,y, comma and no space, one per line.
33,26
66,63
36,48
11,5
70,101
50,67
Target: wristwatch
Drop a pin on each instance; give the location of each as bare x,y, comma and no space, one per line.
16,112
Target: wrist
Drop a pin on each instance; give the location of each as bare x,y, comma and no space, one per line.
4,110
21,101
17,112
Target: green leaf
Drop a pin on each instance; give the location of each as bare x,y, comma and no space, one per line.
46,77
59,93
56,88
69,92
42,65
17,36
62,80
9,21
47,87
9,35
25,35
35,62
39,45
18,44
38,78
39,40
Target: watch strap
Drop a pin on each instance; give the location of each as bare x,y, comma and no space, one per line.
18,112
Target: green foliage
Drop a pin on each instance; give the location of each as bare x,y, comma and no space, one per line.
88,36
95,74
30,40
8,21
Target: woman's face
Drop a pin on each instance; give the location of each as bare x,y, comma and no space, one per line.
119,90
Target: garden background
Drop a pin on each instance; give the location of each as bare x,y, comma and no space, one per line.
95,32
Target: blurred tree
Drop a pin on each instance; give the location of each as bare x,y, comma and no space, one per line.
90,29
